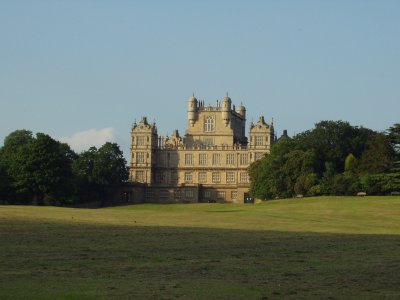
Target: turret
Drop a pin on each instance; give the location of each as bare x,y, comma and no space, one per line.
192,110
226,109
242,111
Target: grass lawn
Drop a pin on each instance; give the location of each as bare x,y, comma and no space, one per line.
324,248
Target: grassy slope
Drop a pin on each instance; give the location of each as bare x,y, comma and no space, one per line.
306,248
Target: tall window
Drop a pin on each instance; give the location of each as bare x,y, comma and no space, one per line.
202,177
216,159
230,177
149,194
259,140
230,159
189,194
244,177
139,176
160,177
174,178
221,195
244,158
216,177
188,177
188,159
234,195
140,140
202,159
209,124
140,157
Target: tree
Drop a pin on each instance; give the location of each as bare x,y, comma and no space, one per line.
297,170
16,139
285,172
349,163
42,169
82,168
8,153
5,185
394,137
378,155
267,180
344,184
332,141
110,168
100,172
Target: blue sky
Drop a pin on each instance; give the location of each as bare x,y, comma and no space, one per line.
83,71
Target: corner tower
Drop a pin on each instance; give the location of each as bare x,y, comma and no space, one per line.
261,134
143,146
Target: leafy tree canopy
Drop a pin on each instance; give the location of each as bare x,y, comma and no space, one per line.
38,169
329,159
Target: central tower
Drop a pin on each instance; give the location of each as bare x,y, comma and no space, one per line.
219,125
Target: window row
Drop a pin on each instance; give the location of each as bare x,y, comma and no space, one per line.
197,177
140,158
216,159
221,195
190,194
216,177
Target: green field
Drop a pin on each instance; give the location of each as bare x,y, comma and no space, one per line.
324,248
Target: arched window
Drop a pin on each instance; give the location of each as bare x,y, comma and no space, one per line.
209,124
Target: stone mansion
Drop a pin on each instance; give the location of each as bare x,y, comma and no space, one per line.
208,164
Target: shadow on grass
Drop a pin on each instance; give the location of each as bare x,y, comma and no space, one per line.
64,261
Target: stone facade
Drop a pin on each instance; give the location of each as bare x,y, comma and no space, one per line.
208,164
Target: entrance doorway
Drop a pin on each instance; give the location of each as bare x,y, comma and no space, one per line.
248,198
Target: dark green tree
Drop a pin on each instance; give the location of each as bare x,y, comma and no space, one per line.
5,185
377,157
267,180
298,170
100,172
394,136
82,168
110,169
332,141
284,172
8,153
41,170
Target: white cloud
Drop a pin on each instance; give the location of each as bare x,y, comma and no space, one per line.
83,140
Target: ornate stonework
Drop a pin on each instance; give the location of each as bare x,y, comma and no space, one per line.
208,164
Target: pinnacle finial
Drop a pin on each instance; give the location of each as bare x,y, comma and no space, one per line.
227,94
193,94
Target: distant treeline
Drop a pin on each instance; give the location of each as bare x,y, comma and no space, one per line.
40,170
334,158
